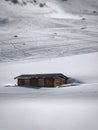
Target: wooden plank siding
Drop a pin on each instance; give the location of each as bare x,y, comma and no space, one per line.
20,82
42,82
24,82
49,82
27,82
58,81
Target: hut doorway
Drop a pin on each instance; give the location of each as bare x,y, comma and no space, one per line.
34,82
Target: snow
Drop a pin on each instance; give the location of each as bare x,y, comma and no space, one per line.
52,36
50,116
72,107
61,37
63,108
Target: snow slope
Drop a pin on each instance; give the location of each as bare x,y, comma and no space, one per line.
62,108
30,32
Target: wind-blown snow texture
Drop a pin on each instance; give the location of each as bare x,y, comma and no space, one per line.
58,29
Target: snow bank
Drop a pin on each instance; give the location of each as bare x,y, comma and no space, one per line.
63,108
26,115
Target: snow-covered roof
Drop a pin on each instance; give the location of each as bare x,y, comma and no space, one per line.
50,75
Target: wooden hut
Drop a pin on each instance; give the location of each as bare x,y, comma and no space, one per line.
42,80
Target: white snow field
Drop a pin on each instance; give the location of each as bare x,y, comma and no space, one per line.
71,107
49,36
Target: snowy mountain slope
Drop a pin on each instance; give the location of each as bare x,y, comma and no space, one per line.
33,32
78,6
69,6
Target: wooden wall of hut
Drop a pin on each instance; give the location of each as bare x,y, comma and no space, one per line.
58,81
48,82
20,82
42,82
24,82
34,82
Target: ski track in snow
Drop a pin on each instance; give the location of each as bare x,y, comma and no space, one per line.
48,47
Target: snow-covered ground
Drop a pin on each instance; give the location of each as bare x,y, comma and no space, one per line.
60,37
71,107
33,32
41,109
